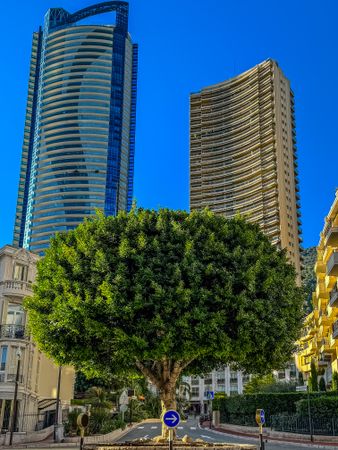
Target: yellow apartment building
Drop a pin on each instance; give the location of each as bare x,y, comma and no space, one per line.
319,341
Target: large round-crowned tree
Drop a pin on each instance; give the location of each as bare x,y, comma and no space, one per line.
162,292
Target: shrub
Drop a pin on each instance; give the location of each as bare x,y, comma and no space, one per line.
322,385
313,380
335,381
70,424
323,406
241,409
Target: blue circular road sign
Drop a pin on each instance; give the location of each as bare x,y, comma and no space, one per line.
262,413
171,418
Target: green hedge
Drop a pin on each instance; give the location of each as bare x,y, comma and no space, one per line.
323,406
241,409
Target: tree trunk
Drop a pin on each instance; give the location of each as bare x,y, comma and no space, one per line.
168,401
164,374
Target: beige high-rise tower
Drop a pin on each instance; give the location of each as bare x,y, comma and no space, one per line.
243,153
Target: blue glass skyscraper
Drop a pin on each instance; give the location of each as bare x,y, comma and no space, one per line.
79,138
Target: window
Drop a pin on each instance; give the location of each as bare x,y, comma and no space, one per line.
20,272
3,357
208,379
195,392
15,315
195,381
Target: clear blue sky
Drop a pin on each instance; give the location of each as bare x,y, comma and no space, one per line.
184,46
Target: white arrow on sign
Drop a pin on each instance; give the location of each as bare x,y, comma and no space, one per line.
172,419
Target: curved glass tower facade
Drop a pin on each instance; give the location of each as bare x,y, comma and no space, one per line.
243,156
78,152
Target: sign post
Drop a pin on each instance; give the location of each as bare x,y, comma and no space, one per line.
260,419
123,409
82,421
210,396
171,419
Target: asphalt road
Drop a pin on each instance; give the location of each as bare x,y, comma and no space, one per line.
192,429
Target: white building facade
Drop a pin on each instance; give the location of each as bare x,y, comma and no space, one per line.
228,381
37,375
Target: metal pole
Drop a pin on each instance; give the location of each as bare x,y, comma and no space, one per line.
261,442
15,409
131,412
309,411
56,420
171,438
82,439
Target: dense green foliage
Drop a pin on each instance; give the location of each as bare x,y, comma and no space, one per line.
300,379
335,381
101,422
258,382
268,383
313,379
240,409
163,292
322,385
309,256
323,406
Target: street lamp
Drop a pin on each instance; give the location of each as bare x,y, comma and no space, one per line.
15,408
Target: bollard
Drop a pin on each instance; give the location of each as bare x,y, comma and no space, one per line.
82,421
260,419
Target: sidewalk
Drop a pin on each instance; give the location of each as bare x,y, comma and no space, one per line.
73,443
277,436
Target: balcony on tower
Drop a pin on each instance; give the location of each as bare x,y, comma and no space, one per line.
331,233
324,346
332,264
335,330
324,359
334,296
323,319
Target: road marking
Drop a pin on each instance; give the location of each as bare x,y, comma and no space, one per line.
180,428
192,428
145,437
140,428
153,428
207,437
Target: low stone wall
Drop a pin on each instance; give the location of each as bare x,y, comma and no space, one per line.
102,438
180,447
30,436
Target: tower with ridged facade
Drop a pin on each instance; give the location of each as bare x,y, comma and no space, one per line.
243,153
79,138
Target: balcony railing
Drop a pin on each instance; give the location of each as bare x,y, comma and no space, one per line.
334,296
12,332
332,264
16,287
335,330
9,377
331,233
324,342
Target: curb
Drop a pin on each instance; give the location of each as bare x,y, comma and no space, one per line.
73,444
302,443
